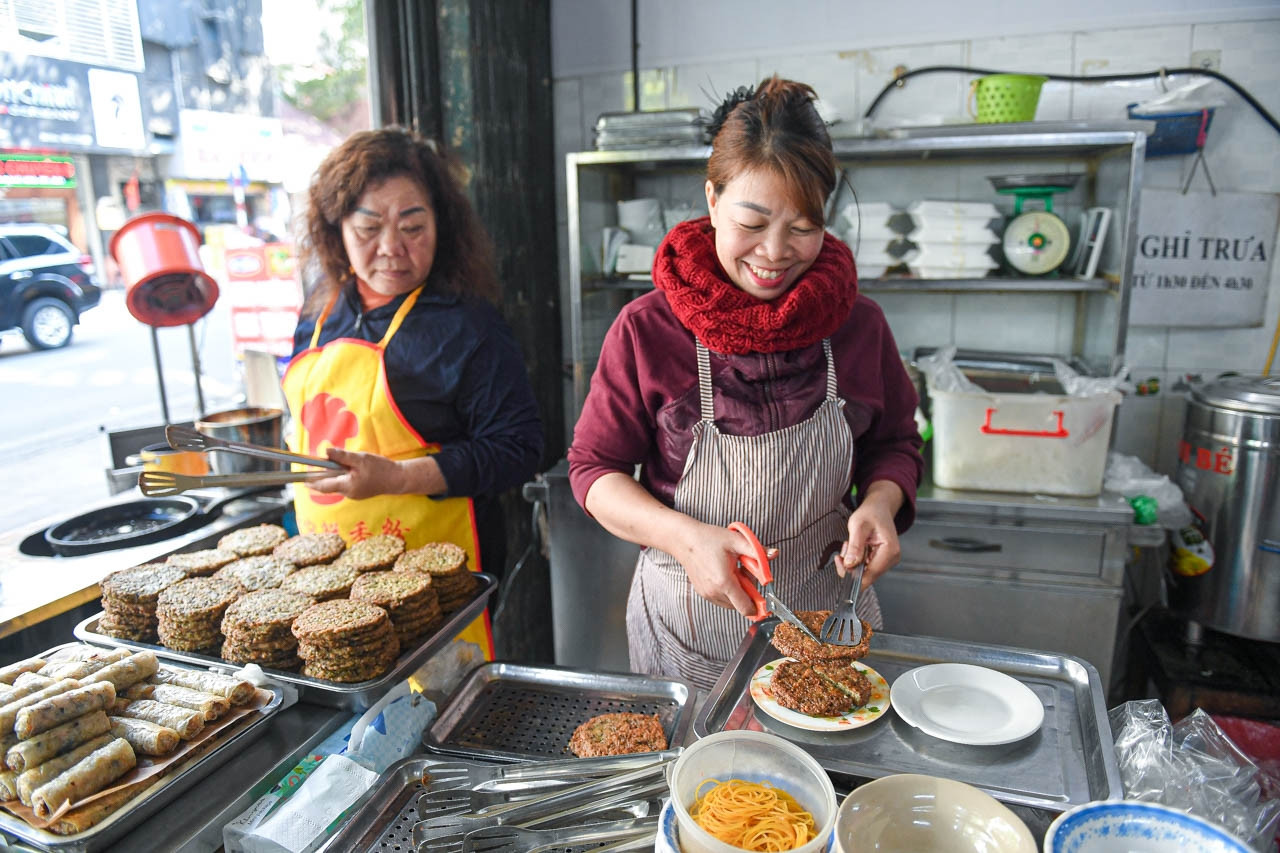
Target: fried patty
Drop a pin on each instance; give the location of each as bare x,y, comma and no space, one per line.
797,686
847,678
618,734
789,640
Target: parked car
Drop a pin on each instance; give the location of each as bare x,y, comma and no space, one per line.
46,283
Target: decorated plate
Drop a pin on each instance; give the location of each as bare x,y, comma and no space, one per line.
875,708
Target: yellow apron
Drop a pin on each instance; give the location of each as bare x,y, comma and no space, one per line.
339,396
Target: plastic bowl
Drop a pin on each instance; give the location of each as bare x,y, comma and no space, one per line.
1132,826
755,757
911,813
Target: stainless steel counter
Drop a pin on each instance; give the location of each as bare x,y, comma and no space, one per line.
36,585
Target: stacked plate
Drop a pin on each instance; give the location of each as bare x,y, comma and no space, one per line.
868,230
651,129
952,239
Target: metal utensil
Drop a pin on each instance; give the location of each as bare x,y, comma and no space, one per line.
185,438
478,777
766,599
843,627
158,484
517,839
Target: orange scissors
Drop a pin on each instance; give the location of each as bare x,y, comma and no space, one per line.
766,600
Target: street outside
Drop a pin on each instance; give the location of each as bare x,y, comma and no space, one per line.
53,455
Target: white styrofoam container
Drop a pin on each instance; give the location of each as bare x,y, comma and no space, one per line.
1027,443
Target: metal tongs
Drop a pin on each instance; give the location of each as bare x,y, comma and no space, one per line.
185,438
765,598
159,484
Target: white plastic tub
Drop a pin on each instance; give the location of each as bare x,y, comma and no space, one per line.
1026,443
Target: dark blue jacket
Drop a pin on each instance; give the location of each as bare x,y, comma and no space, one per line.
458,376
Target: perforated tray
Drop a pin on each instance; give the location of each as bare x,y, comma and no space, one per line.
512,712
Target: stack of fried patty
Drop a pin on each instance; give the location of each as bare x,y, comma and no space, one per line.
372,554
257,628
261,571
202,563
323,582
189,613
821,680
344,640
129,600
446,563
310,549
408,597
254,541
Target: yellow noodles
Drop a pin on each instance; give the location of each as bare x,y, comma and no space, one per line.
752,816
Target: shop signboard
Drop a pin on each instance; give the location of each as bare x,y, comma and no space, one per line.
1202,259
217,145
49,104
47,171
264,297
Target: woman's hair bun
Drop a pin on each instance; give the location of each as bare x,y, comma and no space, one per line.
731,100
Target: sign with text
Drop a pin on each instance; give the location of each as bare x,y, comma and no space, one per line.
265,298
1202,260
36,170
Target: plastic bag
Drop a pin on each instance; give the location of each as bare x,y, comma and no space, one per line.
1129,476
1088,386
1194,767
943,373
1196,95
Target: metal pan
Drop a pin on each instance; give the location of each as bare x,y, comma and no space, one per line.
1063,182
333,694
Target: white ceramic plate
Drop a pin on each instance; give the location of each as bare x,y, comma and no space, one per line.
967,704
875,708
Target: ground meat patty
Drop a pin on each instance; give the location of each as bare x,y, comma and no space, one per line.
618,734
797,686
791,642
848,679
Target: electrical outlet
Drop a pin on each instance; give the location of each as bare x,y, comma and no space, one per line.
1207,60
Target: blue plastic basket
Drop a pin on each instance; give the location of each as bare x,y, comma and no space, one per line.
1175,133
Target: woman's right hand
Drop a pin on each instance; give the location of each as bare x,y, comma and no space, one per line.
710,559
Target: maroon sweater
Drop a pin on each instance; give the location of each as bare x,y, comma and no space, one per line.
643,401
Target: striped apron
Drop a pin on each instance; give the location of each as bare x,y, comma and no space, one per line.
788,486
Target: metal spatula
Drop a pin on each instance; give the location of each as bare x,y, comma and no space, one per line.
185,438
475,776
159,484
843,627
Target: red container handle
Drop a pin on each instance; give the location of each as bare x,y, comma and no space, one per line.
1060,432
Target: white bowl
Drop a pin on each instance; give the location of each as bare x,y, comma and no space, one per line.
755,757
911,813
1131,826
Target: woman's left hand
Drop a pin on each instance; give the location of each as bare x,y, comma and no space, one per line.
872,533
366,475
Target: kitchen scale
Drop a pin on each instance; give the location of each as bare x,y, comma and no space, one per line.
1036,242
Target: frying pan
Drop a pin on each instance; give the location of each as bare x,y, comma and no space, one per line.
121,525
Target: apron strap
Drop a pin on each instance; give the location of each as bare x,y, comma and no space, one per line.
324,315
831,369
704,381
400,314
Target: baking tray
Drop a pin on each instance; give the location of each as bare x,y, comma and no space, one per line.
514,712
152,798
1069,761
359,696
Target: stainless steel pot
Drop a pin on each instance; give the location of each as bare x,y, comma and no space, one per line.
263,427
1229,471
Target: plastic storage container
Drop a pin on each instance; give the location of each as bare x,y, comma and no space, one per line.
1027,443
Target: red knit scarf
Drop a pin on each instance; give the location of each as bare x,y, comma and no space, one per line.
729,320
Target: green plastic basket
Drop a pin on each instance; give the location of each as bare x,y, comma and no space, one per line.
1006,97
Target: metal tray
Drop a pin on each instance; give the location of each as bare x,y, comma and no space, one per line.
512,712
152,798
359,696
1069,761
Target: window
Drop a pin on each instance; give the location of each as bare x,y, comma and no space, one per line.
30,245
95,32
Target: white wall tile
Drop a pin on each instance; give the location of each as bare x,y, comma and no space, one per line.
1009,322
926,99
1039,54
918,320
706,85
1125,51
831,74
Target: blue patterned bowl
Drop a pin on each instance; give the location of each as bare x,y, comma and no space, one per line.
1131,826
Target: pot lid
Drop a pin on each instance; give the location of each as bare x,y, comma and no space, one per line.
1260,394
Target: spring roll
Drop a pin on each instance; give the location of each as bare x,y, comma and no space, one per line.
9,713
80,651
211,705
88,776
13,670
29,753
146,738
47,713
87,816
25,685
31,779
130,670
184,721
8,785
237,690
